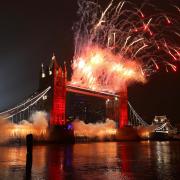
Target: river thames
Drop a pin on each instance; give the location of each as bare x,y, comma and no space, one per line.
99,161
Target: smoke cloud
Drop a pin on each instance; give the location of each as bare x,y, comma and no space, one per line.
5,128
37,125
39,119
101,131
145,132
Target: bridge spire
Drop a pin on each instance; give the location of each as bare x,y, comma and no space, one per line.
65,71
53,56
53,62
43,75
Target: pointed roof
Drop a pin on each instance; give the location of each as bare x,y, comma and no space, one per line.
53,61
53,57
65,69
43,75
42,68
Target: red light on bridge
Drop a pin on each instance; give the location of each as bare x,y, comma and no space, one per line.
123,119
59,96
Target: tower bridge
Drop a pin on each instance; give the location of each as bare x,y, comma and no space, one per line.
52,94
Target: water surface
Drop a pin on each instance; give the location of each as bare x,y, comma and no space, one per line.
101,161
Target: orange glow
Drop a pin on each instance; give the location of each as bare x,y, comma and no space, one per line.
21,131
37,125
99,69
98,130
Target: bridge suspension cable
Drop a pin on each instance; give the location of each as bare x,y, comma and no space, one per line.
26,102
10,113
134,118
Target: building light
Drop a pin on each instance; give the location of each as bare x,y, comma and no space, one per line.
116,98
43,75
107,101
44,97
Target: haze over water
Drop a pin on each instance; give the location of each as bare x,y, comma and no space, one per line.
102,160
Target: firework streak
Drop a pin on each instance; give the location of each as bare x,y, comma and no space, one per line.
120,44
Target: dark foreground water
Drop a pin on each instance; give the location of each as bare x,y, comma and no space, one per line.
104,160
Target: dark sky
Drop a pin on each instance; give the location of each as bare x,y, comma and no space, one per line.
31,31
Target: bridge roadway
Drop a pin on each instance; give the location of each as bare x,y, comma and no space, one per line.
89,92
19,110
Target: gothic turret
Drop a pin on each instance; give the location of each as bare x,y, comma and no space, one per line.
43,75
55,102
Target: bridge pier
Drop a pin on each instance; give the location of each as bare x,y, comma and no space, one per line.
123,106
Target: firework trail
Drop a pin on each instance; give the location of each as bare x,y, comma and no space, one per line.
120,44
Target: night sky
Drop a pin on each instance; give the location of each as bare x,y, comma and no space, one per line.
29,34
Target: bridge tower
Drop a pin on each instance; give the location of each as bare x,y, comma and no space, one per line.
123,106
57,116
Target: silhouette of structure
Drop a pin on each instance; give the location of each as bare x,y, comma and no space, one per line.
65,102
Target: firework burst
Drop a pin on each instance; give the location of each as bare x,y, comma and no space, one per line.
120,44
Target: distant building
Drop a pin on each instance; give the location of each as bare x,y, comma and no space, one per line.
159,120
163,125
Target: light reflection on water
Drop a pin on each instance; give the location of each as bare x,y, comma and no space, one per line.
104,160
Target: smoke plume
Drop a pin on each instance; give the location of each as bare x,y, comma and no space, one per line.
37,125
101,131
5,128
